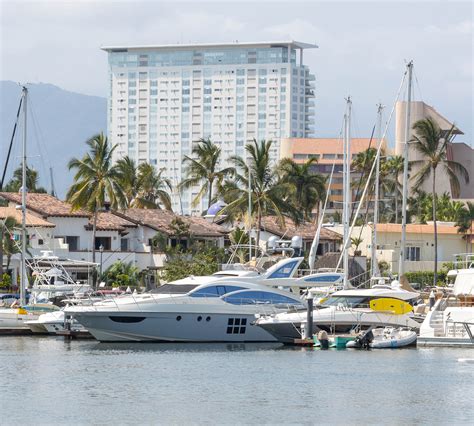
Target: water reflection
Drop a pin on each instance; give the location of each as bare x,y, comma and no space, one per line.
180,347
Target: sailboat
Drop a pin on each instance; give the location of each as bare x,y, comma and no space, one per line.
13,318
348,309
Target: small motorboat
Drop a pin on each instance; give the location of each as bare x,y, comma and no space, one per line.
382,338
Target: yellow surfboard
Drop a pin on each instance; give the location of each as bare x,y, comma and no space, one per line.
387,304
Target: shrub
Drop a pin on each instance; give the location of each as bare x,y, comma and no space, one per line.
6,281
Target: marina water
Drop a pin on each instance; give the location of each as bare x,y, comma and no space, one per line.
47,380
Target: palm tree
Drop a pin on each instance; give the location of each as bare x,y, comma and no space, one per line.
465,221
127,176
269,196
96,181
8,246
432,144
307,188
391,170
32,179
152,188
202,169
143,186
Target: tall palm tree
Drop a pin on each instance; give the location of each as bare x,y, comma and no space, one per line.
7,244
308,189
269,196
143,186
96,181
432,142
152,188
202,169
127,177
32,179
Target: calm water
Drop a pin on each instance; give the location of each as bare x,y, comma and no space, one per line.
46,380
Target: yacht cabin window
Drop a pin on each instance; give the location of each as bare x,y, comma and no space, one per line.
254,297
284,271
173,289
215,291
347,301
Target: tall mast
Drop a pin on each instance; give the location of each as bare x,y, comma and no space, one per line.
23,281
373,256
401,261
250,212
347,198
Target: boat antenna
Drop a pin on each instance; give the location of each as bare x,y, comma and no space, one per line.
23,280
374,265
401,262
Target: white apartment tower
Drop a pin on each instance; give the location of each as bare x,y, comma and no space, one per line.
162,99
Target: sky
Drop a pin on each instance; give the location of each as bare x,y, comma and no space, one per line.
363,46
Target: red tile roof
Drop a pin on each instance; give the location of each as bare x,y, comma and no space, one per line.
306,230
31,220
44,204
107,221
160,220
417,228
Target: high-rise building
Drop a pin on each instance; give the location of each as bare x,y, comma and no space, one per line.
163,99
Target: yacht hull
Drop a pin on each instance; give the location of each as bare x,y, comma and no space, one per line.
11,321
172,327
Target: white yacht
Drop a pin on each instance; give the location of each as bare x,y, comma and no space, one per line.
342,312
451,321
222,311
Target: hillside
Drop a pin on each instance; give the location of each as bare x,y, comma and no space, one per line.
59,122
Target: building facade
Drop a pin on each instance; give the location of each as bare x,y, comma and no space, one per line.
459,152
329,151
163,99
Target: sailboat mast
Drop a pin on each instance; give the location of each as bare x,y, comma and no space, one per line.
23,280
401,262
373,256
347,199
250,212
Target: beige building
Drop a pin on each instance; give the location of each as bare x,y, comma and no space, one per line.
420,244
459,152
327,151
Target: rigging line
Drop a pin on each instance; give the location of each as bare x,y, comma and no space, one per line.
418,84
11,144
37,138
374,163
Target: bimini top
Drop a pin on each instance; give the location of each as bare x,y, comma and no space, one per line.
193,46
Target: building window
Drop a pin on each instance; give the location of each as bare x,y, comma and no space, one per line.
413,254
73,242
124,244
105,242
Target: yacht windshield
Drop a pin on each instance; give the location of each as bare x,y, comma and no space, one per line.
173,289
253,297
348,301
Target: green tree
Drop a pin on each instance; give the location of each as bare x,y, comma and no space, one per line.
239,238
202,168
465,221
269,196
432,142
144,186
307,188
180,230
96,182
198,261
391,171
8,246
32,180
152,188
121,274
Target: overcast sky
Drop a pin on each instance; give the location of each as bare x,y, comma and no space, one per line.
362,51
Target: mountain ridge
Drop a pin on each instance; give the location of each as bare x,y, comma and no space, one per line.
59,122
